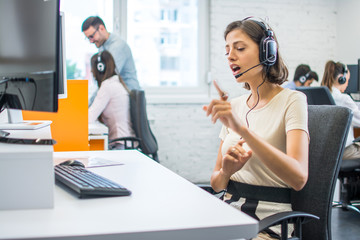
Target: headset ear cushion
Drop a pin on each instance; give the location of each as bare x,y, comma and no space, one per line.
302,79
268,51
342,80
100,67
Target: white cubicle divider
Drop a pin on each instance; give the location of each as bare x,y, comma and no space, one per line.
26,172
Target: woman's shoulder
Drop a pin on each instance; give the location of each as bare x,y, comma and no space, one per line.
293,94
111,81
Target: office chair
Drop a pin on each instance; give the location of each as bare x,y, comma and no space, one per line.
145,140
349,174
317,95
314,201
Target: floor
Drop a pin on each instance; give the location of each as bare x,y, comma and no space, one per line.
345,225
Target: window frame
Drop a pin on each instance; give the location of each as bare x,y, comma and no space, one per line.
176,94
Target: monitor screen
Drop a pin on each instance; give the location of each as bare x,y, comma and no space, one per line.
353,86
29,54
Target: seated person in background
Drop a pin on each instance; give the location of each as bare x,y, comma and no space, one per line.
111,104
336,78
303,77
94,29
264,138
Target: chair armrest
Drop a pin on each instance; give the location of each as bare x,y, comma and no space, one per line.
125,139
285,218
131,140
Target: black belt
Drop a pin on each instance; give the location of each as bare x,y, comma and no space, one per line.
261,193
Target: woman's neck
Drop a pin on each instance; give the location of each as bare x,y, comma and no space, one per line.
265,90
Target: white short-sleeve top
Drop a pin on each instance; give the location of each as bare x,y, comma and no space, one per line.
284,112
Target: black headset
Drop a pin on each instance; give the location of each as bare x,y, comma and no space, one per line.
100,65
304,78
342,79
268,46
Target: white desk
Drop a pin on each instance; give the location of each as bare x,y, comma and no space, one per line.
163,205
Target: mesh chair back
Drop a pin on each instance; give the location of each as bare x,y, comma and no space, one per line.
328,128
140,123
317,95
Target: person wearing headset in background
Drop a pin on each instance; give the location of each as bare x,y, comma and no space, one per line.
303,77
94,29
264,138
336,78
111,104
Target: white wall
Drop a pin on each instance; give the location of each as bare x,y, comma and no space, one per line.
348,31
308,31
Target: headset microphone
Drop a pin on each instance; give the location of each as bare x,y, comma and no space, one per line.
240,74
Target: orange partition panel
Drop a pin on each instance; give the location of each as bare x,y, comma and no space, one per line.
69,125
96,144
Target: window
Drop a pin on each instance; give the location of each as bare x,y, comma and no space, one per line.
164,38
164,35
78,49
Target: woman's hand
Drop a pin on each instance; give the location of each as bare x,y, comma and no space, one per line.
221,109
235,158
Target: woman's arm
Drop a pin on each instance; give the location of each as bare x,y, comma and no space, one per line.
219,180
349,103
100,102
291,167
234,159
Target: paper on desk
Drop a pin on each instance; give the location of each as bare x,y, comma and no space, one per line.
89,162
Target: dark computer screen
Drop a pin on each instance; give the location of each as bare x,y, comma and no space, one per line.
29,54
353,86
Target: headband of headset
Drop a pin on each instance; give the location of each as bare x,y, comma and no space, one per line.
100,65
268,46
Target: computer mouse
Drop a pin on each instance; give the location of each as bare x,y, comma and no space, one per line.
72,162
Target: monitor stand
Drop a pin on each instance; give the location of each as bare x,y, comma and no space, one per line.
16,122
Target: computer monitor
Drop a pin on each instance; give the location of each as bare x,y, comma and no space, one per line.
354,81
62,90
30,67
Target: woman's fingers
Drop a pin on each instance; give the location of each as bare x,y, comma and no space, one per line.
215,106
241,142
223,95
238,152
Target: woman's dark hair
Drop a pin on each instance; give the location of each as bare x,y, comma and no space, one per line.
277,73
331,72
109,63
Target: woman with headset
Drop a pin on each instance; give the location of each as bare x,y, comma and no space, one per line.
264,139
336,78
111,104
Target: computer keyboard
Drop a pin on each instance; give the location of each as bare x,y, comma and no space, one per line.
87,183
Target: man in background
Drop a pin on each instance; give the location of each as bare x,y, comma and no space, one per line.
303,77
94,29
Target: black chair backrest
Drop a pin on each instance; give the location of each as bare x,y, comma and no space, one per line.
317,95
328,128
140,123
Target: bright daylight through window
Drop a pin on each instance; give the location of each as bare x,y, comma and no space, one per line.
162,34
163,37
